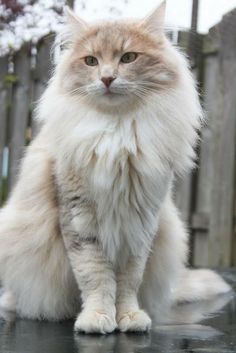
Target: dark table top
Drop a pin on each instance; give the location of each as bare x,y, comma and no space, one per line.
215,333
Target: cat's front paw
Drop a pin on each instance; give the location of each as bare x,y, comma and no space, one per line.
135,321
95,321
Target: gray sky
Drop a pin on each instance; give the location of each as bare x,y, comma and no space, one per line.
178,11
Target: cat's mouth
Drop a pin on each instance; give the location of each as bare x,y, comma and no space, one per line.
111,93
108,93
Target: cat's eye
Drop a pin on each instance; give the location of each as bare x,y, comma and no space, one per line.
128,57
91,60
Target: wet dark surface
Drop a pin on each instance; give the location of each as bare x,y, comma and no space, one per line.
215,334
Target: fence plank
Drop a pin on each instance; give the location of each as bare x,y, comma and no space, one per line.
221,221
183,186
206,168
3,116
42,73
19,112
234,229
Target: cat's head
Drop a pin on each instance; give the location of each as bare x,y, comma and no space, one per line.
118,63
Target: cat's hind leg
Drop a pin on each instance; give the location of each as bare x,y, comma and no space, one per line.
166,263
167,280
33,260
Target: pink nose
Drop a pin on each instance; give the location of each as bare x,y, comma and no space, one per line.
107,81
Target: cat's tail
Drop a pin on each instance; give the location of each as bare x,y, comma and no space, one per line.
195,285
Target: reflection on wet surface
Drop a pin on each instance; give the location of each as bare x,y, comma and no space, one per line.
215,334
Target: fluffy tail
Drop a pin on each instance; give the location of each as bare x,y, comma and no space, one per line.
195,285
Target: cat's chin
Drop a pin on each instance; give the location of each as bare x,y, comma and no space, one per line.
110,101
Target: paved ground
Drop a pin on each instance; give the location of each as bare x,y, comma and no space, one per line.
215,334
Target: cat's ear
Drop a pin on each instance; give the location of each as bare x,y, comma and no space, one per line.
76,25
154,22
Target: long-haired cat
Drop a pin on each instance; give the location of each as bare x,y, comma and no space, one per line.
91,228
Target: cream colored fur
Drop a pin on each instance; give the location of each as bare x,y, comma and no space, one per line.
91,223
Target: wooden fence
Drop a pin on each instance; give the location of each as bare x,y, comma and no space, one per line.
206,197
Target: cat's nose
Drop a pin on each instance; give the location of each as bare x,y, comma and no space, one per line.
107,80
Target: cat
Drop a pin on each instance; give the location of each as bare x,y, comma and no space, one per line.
91,227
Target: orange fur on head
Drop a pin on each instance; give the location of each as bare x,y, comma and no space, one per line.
153,70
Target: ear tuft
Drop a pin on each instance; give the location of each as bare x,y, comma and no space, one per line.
75,23
155,21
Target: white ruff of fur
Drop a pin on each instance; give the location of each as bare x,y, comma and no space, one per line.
136,155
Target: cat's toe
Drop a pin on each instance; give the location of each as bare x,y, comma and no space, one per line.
136,321
95,321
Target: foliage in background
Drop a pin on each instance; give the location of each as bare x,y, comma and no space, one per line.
24,21
27,21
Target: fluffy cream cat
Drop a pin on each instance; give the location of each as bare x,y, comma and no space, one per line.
91,227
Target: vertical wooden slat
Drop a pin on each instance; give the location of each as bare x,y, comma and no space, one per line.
183,186
3,116
205,169
70,3
193,48
221,221
42,73
234,227
19,112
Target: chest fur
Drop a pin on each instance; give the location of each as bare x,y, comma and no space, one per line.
122,170
128,190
